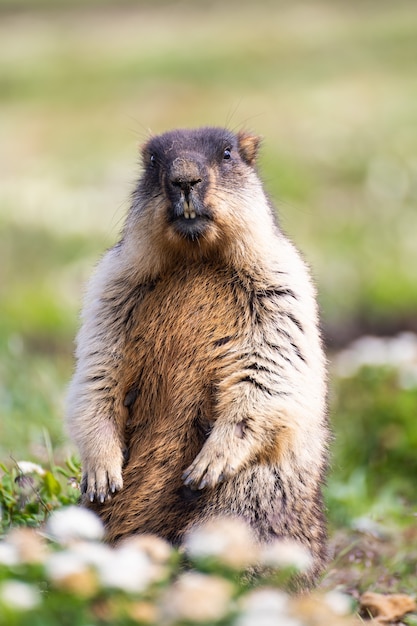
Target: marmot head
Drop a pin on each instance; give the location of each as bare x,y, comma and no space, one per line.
199,193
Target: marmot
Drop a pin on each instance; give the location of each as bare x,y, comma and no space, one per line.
200,383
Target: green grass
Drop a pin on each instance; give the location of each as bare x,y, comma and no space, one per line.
331,87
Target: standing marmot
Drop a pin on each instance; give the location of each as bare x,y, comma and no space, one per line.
200,382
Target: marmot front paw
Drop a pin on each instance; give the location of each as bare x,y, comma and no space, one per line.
101,482
208,470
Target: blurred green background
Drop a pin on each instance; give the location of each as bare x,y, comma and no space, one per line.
332,88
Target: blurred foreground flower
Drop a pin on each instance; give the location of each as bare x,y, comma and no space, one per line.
30,547
228,540
68,571
27,467
196,597
156,549
19,596
265,607
128,569
333,608
92,554
286,553
339,602
9,555
72,523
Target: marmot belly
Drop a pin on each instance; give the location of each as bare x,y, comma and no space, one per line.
186,325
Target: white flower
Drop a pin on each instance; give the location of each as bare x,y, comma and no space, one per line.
340,603
96,555
266,619
28,544
196,597
265,607
72,523
8,554
286,553
129,570
227,539
19,596
266,601
68,571
61,565
156,548
27,467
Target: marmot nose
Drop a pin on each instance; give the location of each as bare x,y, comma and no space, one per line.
185,185
185,174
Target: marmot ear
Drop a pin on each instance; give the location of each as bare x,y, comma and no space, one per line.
144,145
143,149
248,146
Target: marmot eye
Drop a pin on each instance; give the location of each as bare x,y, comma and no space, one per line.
227,153
152,160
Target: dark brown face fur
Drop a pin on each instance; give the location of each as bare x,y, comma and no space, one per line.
188,168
